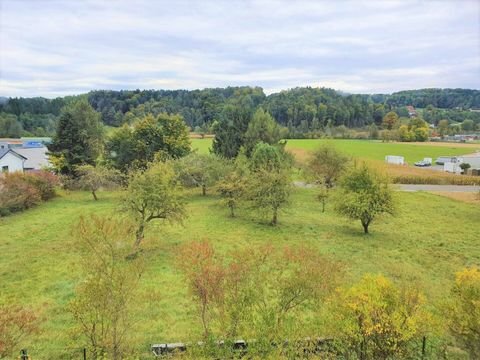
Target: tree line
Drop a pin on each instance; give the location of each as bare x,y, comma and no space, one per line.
301,110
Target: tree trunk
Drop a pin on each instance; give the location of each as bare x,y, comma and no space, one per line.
323,206
94,195
232,212
365,226
204,190
274,218
139,234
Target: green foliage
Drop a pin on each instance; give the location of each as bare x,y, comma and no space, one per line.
326,164
416,130
103,303
378,320
78,139
92,178
154,194
262,128
269,182
201,170
464,311
229,134
443,127
232,189
468,125
364,195
390,120
150,136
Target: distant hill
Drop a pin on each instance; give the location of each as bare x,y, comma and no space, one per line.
303,109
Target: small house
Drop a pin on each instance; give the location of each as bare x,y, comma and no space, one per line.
11,161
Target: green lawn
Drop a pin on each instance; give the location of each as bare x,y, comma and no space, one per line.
431,238
367,149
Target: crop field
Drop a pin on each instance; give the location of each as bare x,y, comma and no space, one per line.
430,239
367,149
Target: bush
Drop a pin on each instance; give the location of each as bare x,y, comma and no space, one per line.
378,320
464,311
23,191
44,182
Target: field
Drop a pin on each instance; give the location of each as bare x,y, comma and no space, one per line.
431,238
366,149
374,152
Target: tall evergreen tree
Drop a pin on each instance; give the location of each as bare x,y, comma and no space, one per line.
79,138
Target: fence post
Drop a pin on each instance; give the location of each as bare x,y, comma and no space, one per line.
23,354
84,354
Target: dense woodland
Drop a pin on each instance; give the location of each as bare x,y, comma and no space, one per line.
301,110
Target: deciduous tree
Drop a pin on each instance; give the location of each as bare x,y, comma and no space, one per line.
326,164
104,302
92,178
201,170
154,194
269,182
364,195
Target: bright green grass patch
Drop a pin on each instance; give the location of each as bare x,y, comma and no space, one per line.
430,239
367,149
377,150
203,146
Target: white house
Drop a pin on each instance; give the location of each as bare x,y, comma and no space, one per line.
11,161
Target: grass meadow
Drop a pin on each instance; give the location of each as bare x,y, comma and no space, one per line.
430,239
367,149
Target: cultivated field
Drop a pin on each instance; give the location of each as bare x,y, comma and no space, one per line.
431,238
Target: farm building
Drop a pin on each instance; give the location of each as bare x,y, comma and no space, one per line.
394,159
453,165
11,161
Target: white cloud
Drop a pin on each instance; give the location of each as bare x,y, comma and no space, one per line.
53,47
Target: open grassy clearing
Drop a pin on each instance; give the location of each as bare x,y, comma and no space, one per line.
432,237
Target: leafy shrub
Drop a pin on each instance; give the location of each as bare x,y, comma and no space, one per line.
379,320
44,182
16,322
18,194
23,191
464,311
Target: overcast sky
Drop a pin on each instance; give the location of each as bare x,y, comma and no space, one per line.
55,48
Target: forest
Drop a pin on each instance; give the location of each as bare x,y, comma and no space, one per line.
301,110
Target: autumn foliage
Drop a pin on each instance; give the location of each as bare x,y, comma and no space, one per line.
16,322
21,191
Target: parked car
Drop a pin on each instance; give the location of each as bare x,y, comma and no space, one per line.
423,163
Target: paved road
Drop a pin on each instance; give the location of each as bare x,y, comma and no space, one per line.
415,187
447,188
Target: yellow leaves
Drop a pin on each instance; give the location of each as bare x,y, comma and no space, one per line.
382,315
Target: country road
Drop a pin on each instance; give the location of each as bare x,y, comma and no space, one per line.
416,187
446,188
